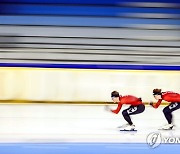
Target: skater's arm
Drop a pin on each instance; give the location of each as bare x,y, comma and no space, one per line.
116,111
156,105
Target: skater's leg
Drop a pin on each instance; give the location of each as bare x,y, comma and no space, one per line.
127,117
167,114
131,111
168,111
136,109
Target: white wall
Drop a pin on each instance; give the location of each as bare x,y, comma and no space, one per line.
44,84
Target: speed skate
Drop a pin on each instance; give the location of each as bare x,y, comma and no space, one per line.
128,128
167,127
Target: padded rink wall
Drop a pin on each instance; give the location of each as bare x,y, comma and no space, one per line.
83,83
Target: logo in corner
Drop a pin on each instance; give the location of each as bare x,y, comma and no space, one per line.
154,139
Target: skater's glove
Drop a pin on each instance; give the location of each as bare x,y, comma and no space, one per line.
151,103
107,108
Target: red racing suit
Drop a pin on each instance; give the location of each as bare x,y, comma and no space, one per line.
169,97
128,99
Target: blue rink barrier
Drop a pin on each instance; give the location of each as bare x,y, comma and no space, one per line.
107,2
94,66
27,9
87,148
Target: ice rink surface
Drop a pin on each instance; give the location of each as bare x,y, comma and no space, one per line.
65,125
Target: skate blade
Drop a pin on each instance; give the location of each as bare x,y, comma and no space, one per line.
133,130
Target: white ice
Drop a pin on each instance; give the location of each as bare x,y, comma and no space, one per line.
77,123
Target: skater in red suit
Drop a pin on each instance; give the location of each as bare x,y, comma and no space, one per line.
173,98
136,107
